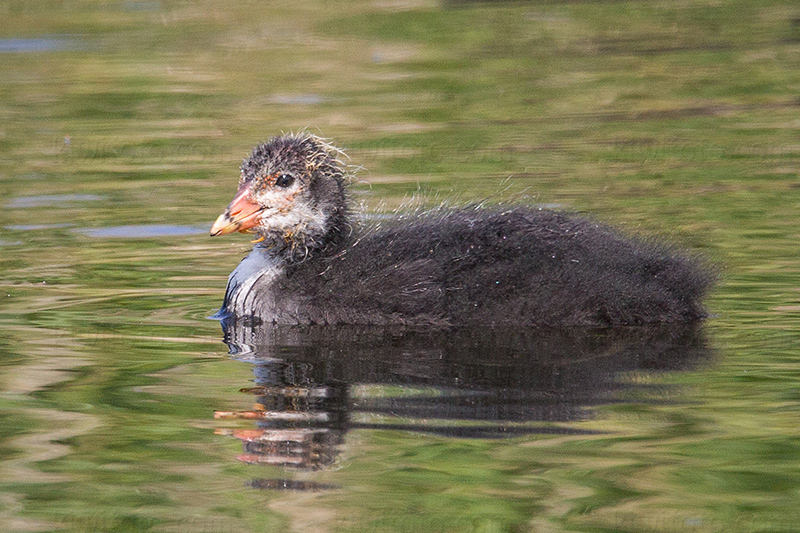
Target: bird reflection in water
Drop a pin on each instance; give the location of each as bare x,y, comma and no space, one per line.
314,384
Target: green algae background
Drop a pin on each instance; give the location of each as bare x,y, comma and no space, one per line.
679,119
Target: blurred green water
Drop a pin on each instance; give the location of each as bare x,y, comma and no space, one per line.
679,119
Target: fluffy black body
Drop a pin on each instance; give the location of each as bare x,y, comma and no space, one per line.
468,266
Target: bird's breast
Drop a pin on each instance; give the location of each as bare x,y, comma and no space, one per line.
249,284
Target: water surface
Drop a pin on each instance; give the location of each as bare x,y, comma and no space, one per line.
123,408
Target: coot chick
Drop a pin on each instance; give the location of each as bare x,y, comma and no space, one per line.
474,265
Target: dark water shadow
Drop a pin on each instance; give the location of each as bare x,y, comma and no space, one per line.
314,384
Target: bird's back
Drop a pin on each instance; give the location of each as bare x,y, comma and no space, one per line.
480,266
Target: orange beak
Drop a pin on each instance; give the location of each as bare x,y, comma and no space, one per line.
241,214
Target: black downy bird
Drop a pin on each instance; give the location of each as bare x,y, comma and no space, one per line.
507,266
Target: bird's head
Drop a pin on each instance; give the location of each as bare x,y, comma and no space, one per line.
291,195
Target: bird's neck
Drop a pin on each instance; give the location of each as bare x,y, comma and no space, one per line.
300,247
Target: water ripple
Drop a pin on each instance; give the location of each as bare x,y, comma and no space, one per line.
144,230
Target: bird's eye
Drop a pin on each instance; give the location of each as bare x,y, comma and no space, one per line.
284,180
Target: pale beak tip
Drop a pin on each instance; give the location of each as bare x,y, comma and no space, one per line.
221,226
